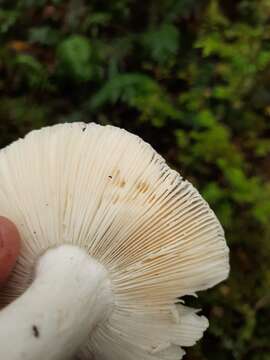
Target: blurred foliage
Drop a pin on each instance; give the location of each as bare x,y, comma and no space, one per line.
192,77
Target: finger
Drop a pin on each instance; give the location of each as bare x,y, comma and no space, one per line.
9,247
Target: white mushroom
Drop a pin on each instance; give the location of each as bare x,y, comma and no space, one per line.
111,238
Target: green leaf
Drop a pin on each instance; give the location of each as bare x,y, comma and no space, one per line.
44,35
74,57
8,19
96,19
138,91
213,193
31,70
162,43
206,119
125,87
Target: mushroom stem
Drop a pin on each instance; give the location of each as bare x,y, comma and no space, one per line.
69,296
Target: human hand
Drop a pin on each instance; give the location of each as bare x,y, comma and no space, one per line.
9,247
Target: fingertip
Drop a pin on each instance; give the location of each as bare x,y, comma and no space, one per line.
10,243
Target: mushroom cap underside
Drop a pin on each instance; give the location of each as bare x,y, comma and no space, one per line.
107,191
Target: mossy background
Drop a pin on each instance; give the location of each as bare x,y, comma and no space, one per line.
192,77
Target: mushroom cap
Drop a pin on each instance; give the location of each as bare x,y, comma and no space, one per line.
107,191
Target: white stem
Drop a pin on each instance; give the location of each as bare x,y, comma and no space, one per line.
54,317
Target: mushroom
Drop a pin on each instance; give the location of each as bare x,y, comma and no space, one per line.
111,239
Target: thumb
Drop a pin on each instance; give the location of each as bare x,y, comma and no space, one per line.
9,247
